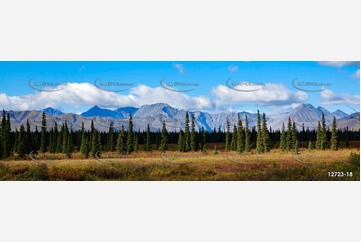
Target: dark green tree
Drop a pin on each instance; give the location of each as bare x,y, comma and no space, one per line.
43,134
247,141
85,147
96,143
289,134
164,139
180,142
259,141
334,139
283,139
193,137
240,135
111,144
148,144
21,146
323,133
265,135
29,138
121,141
187,135
130,137
234,138
136,142
294,134
318,136
227,143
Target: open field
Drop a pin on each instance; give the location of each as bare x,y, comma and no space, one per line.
154,166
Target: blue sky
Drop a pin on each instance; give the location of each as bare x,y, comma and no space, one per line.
212,93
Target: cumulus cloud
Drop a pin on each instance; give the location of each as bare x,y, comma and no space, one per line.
339,64
81,94
232,68
179,67
331,98
269,94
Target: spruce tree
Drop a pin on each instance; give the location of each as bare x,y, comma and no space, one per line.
51,135
136,141
43,134
15,146
297,147
21,146
28,139
234,138
55,137
247,141
148,144
130,138
318,136
164,139
96,144
202,138
69,145
323,133
240,135
92,129
283,139
84,143
265,135
85,147
289,135
259,141
111,145
5,136
180,142
204,142
65,138
187,136
59,143
121,143
309,145
294,134
334,141
194,146
227,143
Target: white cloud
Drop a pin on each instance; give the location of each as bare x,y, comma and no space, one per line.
77,95
179,67
339,64
232,68
331,98
269,95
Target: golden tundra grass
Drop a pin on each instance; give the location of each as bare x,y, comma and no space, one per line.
275,165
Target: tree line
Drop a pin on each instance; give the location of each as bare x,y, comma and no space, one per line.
241,138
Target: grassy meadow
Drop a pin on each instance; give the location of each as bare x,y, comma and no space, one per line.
308,165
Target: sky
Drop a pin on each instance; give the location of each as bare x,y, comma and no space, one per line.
270,86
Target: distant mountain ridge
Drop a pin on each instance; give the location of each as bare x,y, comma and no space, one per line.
154,114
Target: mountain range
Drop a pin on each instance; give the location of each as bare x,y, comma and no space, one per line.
155,114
